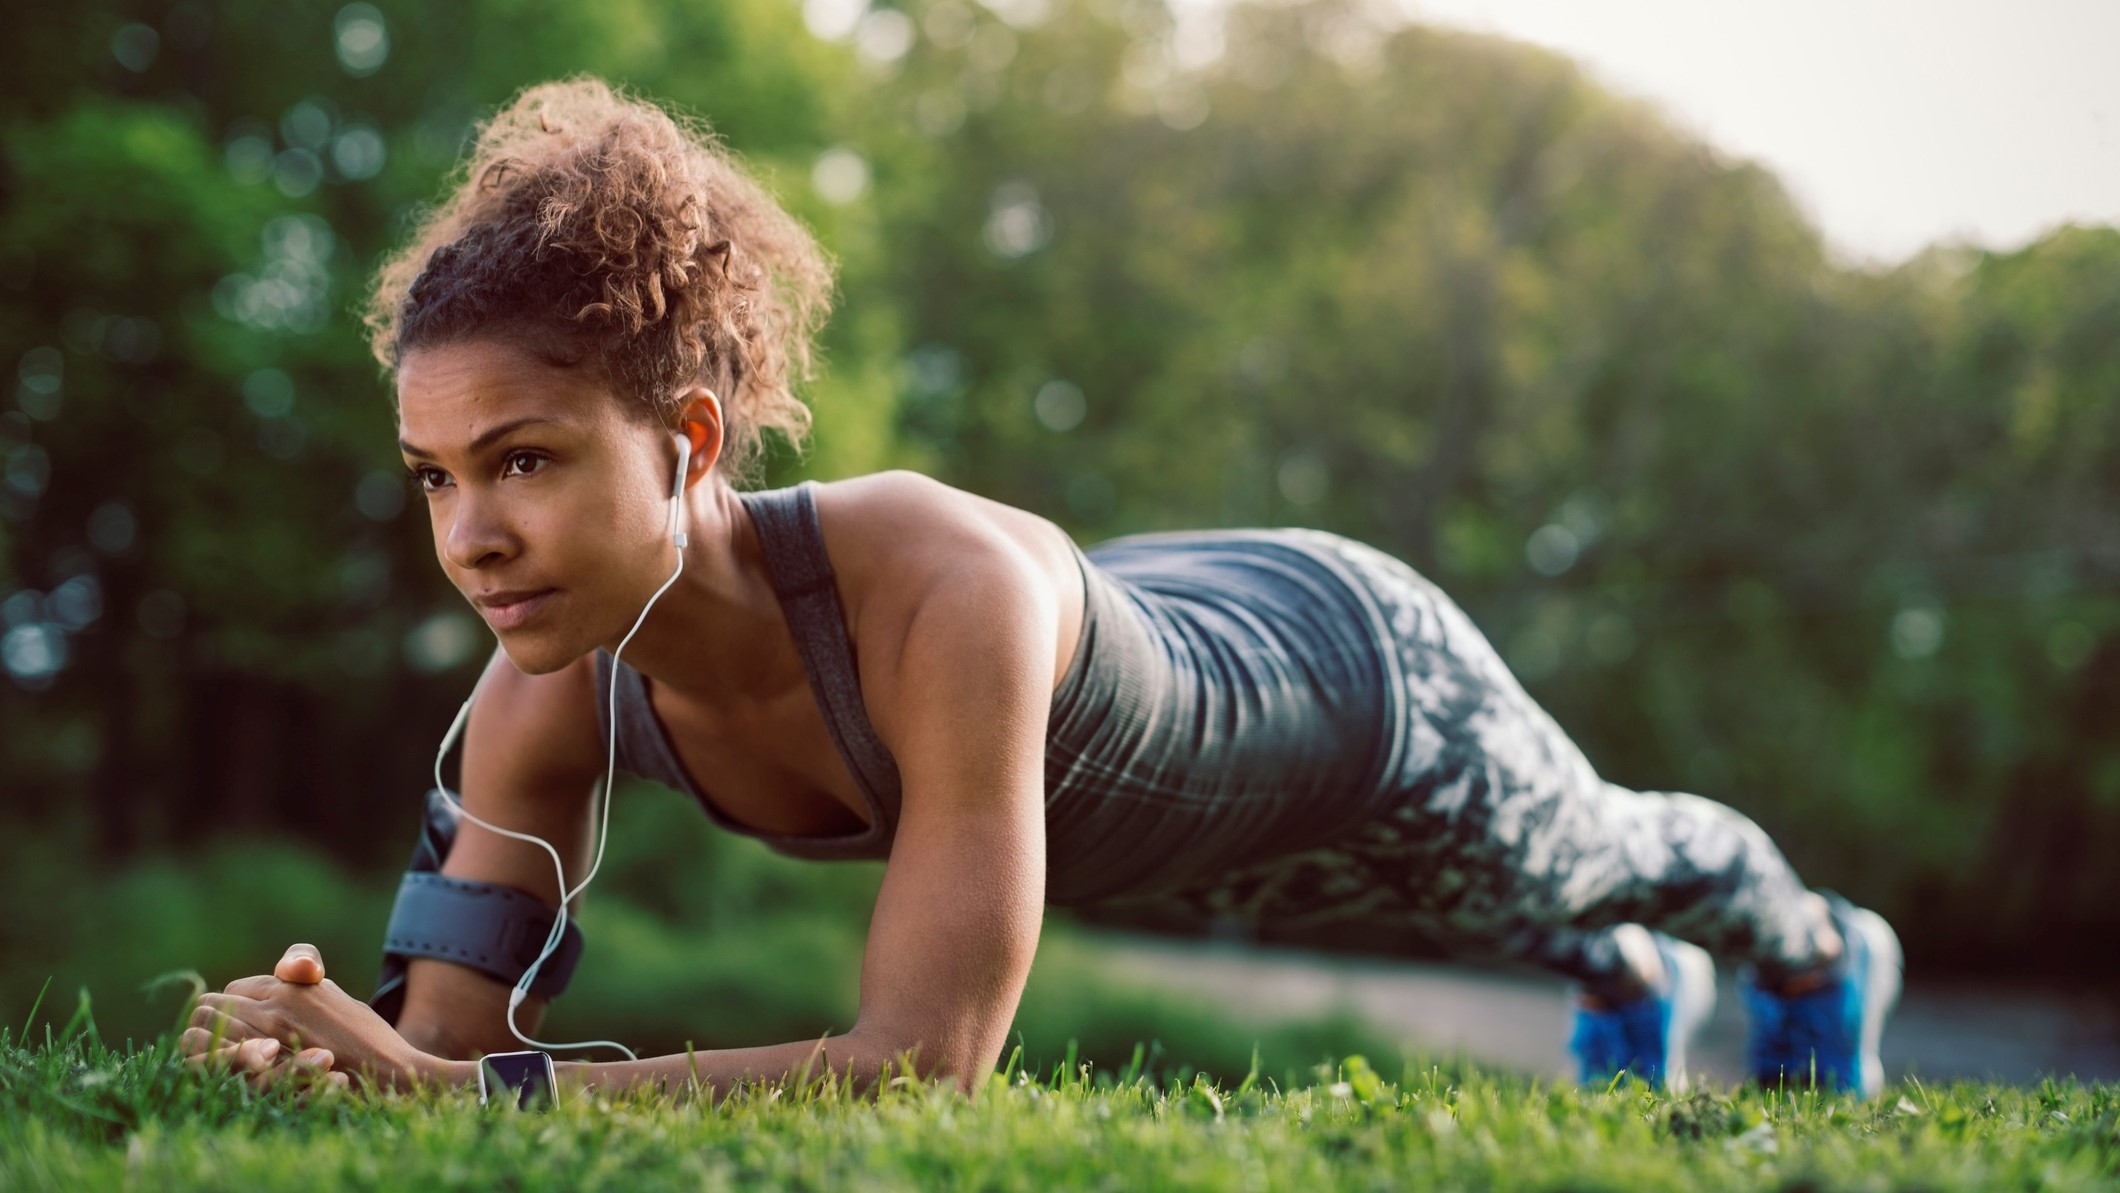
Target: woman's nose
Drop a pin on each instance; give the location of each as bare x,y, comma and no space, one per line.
477,533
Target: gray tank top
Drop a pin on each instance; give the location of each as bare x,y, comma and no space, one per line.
1228,701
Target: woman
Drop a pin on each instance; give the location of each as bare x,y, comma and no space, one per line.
589,339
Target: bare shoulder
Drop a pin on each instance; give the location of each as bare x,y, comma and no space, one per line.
902,543
534,733
900,526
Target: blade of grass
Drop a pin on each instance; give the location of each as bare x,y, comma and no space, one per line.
33,1006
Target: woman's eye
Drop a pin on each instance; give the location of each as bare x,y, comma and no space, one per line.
430,479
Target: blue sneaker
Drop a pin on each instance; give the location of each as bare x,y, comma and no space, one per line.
1648,1036
1835,1027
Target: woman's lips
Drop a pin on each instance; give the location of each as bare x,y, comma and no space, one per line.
512,616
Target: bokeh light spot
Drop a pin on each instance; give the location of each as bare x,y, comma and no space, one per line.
948,24
296,172
76,603
1017,224
1552,549
380,496
357,152
29,469
248,156
269,393
1917,632
307,124
1023,14
841,176
361,39
1060,405
883,36
112,527
833,20
1303,477
22,606
135,46
33,654
440,642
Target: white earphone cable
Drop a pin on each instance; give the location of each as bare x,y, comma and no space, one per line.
603,832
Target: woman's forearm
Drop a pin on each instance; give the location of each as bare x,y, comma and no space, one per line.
851,1056
458,1013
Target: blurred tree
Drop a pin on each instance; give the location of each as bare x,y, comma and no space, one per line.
1716,497
222,615
1833,545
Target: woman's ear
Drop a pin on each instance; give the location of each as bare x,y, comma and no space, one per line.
700,422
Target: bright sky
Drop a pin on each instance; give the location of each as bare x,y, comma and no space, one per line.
1895,123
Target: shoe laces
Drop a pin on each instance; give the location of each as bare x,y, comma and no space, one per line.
1789,1030
1600,1040
1628,1036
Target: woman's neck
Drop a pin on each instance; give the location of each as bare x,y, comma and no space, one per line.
717,635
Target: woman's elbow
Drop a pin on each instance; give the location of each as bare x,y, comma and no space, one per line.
931,1057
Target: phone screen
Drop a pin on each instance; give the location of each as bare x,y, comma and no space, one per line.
529,1073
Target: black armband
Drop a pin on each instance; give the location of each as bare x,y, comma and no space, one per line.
496,929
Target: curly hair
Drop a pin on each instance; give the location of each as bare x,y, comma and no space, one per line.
590,226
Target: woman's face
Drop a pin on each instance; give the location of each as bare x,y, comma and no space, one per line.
536,483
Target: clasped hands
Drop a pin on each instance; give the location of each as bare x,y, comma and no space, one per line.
296,1024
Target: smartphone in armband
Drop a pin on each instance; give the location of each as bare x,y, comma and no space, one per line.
528,1075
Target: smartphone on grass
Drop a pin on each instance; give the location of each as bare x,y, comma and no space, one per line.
527,1075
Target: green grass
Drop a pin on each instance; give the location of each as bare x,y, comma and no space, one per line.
715,942
75,1113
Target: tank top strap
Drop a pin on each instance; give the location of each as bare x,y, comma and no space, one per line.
639,745
789,531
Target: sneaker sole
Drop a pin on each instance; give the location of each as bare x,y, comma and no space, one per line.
1693,989
1884,964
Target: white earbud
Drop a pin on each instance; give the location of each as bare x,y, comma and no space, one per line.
677,489
603,835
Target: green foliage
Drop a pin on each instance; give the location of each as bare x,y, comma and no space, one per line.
1813,541
194,253
1833,545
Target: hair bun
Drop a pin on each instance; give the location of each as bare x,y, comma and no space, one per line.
599,228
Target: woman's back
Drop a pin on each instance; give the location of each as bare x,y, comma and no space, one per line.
1226,699
1229,702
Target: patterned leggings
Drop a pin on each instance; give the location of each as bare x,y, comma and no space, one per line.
1502,840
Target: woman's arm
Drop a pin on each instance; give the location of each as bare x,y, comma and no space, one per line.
957,918
532,761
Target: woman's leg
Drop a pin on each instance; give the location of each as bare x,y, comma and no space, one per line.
1498,836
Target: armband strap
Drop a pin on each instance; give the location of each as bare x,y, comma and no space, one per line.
496,929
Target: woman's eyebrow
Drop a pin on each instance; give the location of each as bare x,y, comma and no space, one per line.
485,440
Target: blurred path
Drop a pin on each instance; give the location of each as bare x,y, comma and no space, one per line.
1520,1021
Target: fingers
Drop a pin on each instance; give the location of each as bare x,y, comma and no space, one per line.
265,1063
309,1071
255,986
260,1018
254,1055
320,1083
304,1067
231,1006
302,965
214,1027
197,1041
